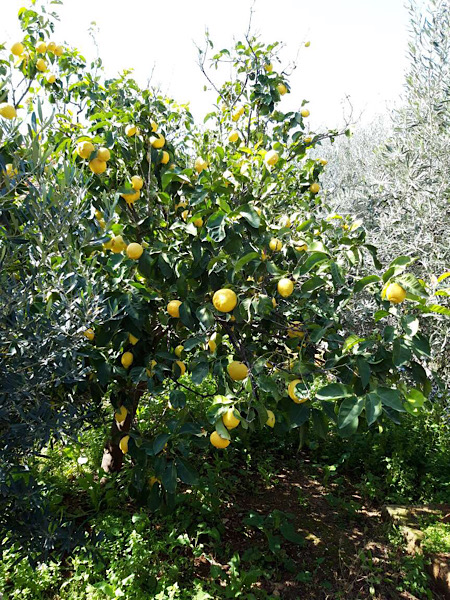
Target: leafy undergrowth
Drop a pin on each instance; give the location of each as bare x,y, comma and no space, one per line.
262,524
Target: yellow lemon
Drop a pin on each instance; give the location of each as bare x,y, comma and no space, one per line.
134,251
127,359
51,78
89,333
308,140
85,149
41,48
157,141
271,158
103,154
123,444
285,287
302,248
41,65
237,370
295,330
305,113
132,197
10,171
58,51
117,244
130,130
268,67
181,366
229,419
51,47
153,126
137,182
307,44
314,188
173,308
165,158
132,339
270,419
198,222
282,89
218,441
291,391
238,113
395,293
121,414
285,221
7,111
323,161
200,164
274,303
17,49
149,372
224,300
178,350
275,245
212,345
97,166
233,137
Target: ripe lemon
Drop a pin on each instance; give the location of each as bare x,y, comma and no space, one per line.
132,197
282,89
285,287
323,162
41,48
121,414
51,47
314,188
123,444
178,350
395,293
10,171
130,130
224,300
89,333
7,111
132,339
275,245
17,49
127,359
58,51
198,222
117,244
51,78
41,65
165,158
295,331
97,166
305,113
229,419
212,345
137,182
238,113
233,137
85,149
271,158
302,248
134,251
237,370
103,154
274,303
308,140
291,391
285,221
200,164
149,372
173,308
307,44
181,366
218,441
268,67
270,419
157,141
154,126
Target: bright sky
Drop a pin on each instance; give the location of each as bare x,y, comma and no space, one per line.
358,47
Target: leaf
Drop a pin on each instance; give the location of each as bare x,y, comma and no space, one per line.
298,414
250,215
334,391
313,284
415,398
206,317
443,276
186,472
138,374
401,353
177,399
351,341
320,423
421,346
373,252
159,442
363,370
349,430
373,408
245,259
192,342
216,226
362,283
402,261
186,316
380,314
289,533
410,324
390,397
349,410
199,372
313,260
169,478
434,308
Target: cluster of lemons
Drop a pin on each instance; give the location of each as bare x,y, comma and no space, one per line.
18,49
97,164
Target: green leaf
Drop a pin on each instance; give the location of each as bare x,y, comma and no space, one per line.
380,314
186,472
250,215
349,410
313,260
434,308
349,430
320,423
313,284
410,324
177,399
401,353
390,397
362,283
245,259
159,442
402,261
373,408
138,374
267,384
415,398
334,391
169,477
298,414
373,252
363,370
206,317
289,533
420,345
186,316
192,343
199,372
351,341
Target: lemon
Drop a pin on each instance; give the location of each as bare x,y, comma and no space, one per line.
41,65
51,47
123,444
173,308
237,370
238,113
137,182
165,158
274,303
154,126
218,441
178,350
131,197
233,137
51,78
17,49
305,113
295,331
307,44
127,359
275,245
10,170
103,154
153,480
323,162
268,67
229,419
121,414
58,51
89,333
224,300
97,166
271,158
302,248
149,372
314,188
282,89
395,293
117,244
181,366
157,141
291,391
270,419
263,255
134,251
212,345
130,130
132,339
285,287
200,164
7,111
285,221
308,140
198,222
85,149
41,48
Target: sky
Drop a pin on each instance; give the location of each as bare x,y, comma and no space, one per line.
358,47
